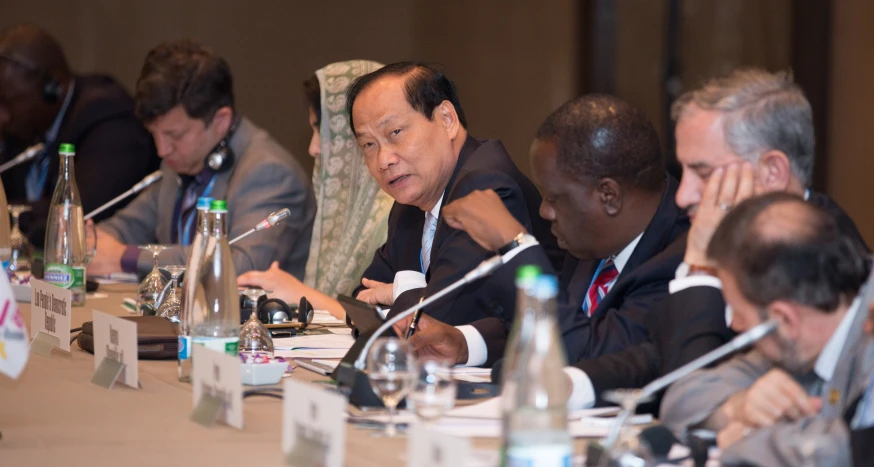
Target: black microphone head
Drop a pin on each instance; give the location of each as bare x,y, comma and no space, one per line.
497,369
659,439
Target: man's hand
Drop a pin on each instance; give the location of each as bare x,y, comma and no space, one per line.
376,293
775,397
732,433
281,284
727,187
107,258
484,217
435,339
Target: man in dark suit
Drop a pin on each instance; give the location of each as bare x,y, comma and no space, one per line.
598,161
860,415
412,129
42,101
748,132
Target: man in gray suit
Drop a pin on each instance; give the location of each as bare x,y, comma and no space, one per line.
185,98
780,258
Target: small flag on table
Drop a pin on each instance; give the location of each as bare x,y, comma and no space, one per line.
13,335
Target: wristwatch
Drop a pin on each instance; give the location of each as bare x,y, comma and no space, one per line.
685,270
523,238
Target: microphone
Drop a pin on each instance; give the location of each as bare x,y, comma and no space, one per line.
140,186
23,156
741,341
350,375
273,219
629,406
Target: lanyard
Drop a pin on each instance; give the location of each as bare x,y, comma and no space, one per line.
183,229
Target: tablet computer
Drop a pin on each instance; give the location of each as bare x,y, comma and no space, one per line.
366,317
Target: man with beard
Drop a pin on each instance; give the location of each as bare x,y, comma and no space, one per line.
779,258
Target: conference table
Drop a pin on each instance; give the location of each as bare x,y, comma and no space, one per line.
53,415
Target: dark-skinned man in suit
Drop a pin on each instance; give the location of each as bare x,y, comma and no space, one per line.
611,205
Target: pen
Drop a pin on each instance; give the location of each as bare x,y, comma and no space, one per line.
414,322
323,370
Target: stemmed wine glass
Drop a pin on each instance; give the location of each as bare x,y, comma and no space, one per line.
391,368
622,442
22,250
434,390
171,307
255,339
152,286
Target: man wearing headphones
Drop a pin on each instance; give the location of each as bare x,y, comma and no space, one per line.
41,101
185,98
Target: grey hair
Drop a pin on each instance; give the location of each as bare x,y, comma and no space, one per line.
763,111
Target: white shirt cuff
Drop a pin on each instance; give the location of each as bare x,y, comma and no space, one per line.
583,393
684,283
407,280
477,353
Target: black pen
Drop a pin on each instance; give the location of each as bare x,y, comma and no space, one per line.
414,322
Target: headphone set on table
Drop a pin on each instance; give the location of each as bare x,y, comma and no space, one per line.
51,87
276,311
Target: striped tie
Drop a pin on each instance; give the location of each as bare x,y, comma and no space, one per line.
604,279
428,240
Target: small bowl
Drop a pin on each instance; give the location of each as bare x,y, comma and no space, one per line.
258,374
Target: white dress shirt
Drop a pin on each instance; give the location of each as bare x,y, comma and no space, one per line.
408,280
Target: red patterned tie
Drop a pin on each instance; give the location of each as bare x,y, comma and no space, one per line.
606,275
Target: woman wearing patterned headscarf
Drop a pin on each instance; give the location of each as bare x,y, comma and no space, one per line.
352,217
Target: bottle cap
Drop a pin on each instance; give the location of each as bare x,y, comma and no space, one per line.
546,287
218,205
67,148
203,202
527,275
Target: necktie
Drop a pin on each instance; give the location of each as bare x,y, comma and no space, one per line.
188,201
35,182
604,279
428,240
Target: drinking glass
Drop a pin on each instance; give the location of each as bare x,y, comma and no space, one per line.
433,392
22,250
622,444
391,368
171,306
152,286
255,339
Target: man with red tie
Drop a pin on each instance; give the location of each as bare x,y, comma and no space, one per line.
598,163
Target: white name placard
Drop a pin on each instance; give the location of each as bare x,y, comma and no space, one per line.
116,339
313,425
50,310
431,448
219,375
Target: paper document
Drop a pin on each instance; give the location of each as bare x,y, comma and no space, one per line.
491,410
324,318
315,346
472,374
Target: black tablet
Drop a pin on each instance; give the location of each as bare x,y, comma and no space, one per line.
365,316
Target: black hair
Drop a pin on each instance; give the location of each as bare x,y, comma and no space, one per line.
183,72
599,136
312,92
779,247
425,87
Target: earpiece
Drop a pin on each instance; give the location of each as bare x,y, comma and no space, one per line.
222,157
275,311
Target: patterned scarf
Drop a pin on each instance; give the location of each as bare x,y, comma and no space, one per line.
352,218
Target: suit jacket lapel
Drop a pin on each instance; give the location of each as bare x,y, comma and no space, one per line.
658,234
836,392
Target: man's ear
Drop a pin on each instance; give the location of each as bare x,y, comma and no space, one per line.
610,195
774,171
449,118
788,318
222,120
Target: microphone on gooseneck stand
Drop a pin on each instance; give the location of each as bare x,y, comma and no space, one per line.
140,186
273,219
350,375
647,392
23,156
